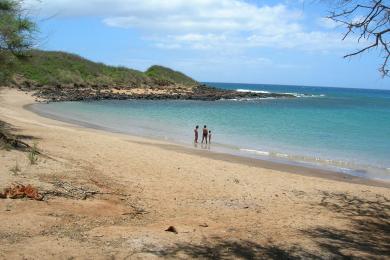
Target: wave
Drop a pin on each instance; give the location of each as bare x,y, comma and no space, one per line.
300,95
265,153
282,155
255,151
267,92
252,91
248,99
338,165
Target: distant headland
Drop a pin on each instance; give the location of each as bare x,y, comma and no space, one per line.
59,76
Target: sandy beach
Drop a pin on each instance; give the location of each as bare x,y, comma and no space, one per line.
112,196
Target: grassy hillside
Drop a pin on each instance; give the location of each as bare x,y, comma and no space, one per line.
163,74
51,68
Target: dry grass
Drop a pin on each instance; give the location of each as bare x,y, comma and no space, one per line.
15,169
33,154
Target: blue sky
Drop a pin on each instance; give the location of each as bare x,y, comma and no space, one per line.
274,42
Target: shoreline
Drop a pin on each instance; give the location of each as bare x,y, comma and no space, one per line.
289,167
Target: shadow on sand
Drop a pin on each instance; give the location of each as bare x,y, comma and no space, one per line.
10,139
8,129
366,236
217,248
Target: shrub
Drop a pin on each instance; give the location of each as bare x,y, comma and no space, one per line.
33,154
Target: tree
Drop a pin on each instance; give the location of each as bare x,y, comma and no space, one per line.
16,29
370,21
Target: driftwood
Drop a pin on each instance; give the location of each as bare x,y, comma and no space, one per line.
18,191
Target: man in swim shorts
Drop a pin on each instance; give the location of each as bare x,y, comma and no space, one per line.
205,134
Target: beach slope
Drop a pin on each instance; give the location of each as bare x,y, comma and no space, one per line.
110,196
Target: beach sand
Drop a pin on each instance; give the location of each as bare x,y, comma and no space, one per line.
112,196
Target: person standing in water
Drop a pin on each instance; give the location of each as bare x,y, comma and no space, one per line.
196,134
205,134
210,137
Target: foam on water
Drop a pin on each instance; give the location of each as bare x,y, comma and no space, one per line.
249,99
255,152
252,91
267,92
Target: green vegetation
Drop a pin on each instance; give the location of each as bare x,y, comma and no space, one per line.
33,154
165,75
16,29
52,68
16,36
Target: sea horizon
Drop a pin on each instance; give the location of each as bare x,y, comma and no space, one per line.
295,85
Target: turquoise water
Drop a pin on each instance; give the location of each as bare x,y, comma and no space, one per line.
343,129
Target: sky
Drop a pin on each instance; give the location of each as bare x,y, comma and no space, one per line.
239,41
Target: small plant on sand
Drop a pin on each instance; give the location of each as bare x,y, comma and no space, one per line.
33,154
16,169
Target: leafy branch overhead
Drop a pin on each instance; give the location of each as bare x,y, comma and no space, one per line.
370,21
16,29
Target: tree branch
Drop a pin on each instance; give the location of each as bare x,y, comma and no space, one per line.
373,25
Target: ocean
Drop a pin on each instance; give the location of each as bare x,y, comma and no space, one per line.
340,129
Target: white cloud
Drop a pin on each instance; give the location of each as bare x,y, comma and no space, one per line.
327,23
211,16
202,24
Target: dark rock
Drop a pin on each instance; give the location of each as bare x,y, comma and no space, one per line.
80,92
171,229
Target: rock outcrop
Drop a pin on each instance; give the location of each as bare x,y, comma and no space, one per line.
203,92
